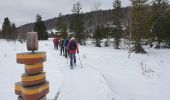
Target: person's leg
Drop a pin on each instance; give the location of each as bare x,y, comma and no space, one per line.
71,61
65,52
68,53
57,46
54,46
60,50
74,58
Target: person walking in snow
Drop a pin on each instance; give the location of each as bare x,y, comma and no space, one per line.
61,46
66,41
56,43
72,47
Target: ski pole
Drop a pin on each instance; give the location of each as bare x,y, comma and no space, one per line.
80,61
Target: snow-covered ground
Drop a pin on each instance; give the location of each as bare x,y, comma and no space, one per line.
107,74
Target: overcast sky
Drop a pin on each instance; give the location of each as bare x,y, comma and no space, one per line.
24,11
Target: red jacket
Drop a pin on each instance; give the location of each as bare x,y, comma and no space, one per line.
72,51
56,41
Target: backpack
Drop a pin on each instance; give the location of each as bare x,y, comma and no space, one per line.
72,45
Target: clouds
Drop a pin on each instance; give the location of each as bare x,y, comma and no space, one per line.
24,11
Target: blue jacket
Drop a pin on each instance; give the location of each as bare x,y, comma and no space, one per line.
66,41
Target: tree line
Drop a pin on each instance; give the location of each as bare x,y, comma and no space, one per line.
147,23
144,24
9,30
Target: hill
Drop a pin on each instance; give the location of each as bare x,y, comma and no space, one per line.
89,20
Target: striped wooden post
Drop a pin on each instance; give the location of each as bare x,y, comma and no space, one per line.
33,85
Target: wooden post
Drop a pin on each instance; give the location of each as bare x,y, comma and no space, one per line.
33,85
32,41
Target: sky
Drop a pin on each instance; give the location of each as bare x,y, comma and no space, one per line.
21,12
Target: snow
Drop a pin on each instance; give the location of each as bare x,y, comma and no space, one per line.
107,74
84,84
52,30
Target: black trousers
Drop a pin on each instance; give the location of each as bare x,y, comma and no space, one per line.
66,53
62,50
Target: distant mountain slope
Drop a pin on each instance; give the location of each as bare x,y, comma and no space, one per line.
89,17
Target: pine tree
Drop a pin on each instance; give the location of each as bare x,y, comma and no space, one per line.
14,32
40,28
107,34
98,36
6,29
117,22
77,24
138,22
159,21
167,28
61,26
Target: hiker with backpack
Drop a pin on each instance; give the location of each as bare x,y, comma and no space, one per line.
72,47
61,46
66,41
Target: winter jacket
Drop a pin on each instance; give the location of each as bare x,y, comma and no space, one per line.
56,41
72,51
66,41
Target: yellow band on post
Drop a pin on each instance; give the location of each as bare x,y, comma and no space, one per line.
30,90
31,55
28,78
34,66
35,91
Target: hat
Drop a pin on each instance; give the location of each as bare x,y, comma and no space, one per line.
72,38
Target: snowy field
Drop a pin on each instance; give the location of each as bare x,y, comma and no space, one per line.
107,74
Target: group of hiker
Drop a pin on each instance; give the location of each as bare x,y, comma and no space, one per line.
68,48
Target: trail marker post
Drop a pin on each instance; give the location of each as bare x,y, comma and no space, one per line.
33,85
